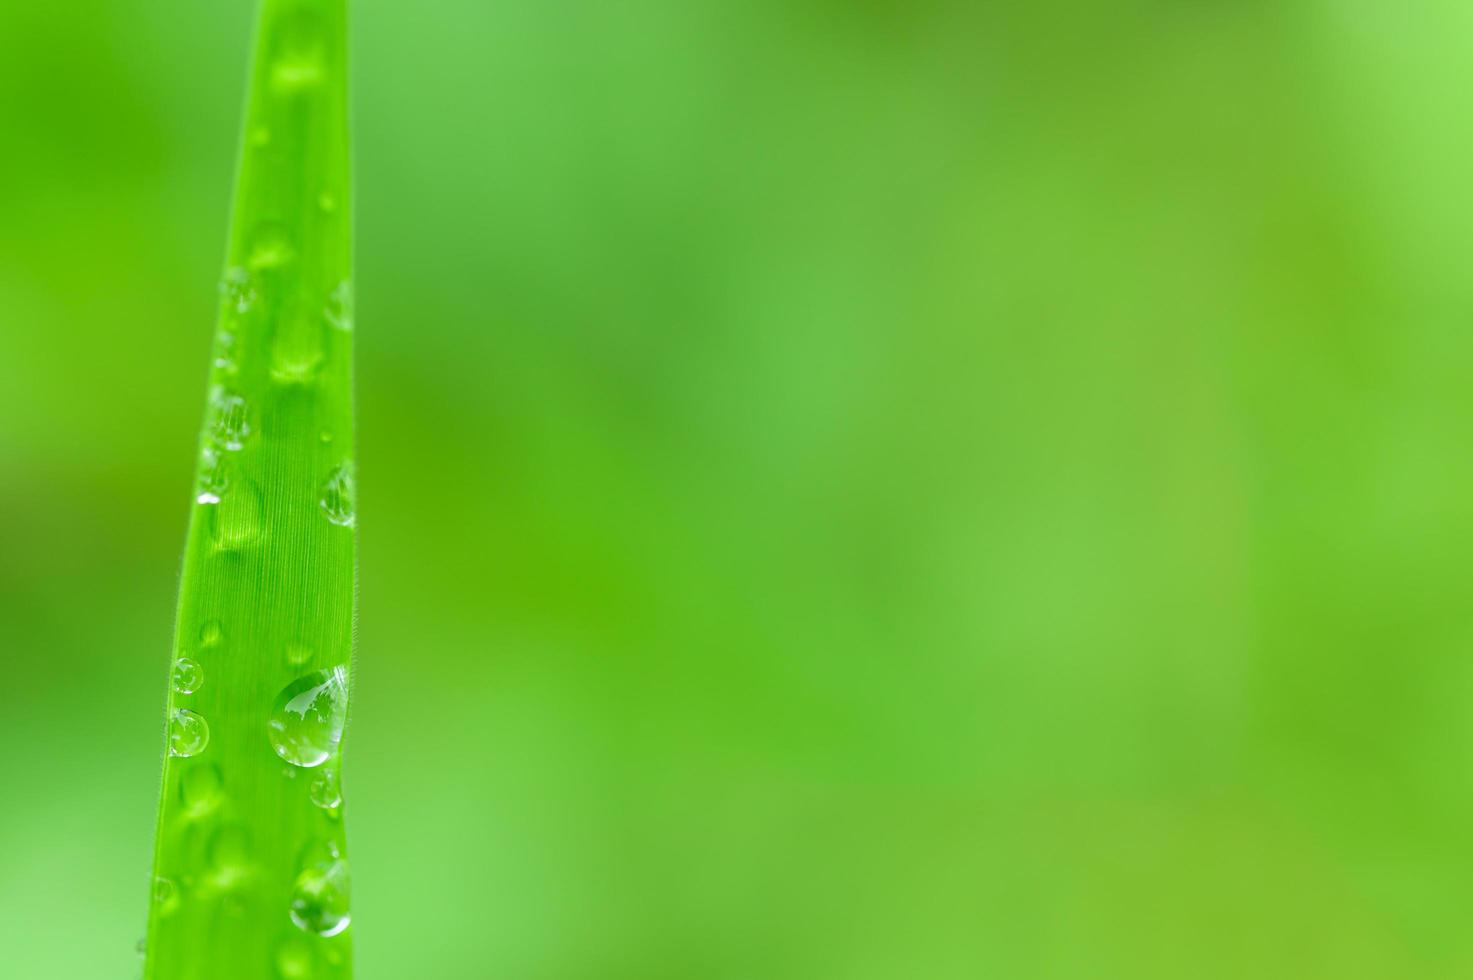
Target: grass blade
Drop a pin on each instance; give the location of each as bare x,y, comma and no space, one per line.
250,865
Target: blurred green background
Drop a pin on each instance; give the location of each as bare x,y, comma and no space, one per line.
869,490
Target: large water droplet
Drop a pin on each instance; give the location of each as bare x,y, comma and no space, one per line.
239,289
188,676
326,791
210,633
339,309
338,496
320,901
214,476
231,420
188,733
307,720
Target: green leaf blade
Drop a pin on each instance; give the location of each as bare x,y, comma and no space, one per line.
250,868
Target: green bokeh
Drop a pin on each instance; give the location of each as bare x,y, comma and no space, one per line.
862,490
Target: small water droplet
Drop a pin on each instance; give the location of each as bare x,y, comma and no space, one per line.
339,309
210,633
307,720
230,859
338,496
188,733
325,436
165,896
239,289
298,47
326,791
296,354
230,845
296,72
271,247
327,202
298,654
231,422
320,902
214,477
260,136
188,676
294,961
236,522
225,353
201,787
292,372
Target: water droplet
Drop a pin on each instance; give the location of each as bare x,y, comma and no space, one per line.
214,477
210,633
188,733
320,851
296,354
231,422
296,72
294,372
271,247
339,309
298,654
307,720
188,676
260,136
294,961
297,49
325,436
239,289
201,788
327,202
320,901
230,859
225,353
165,896
337,496
230,845
326,791
237,520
